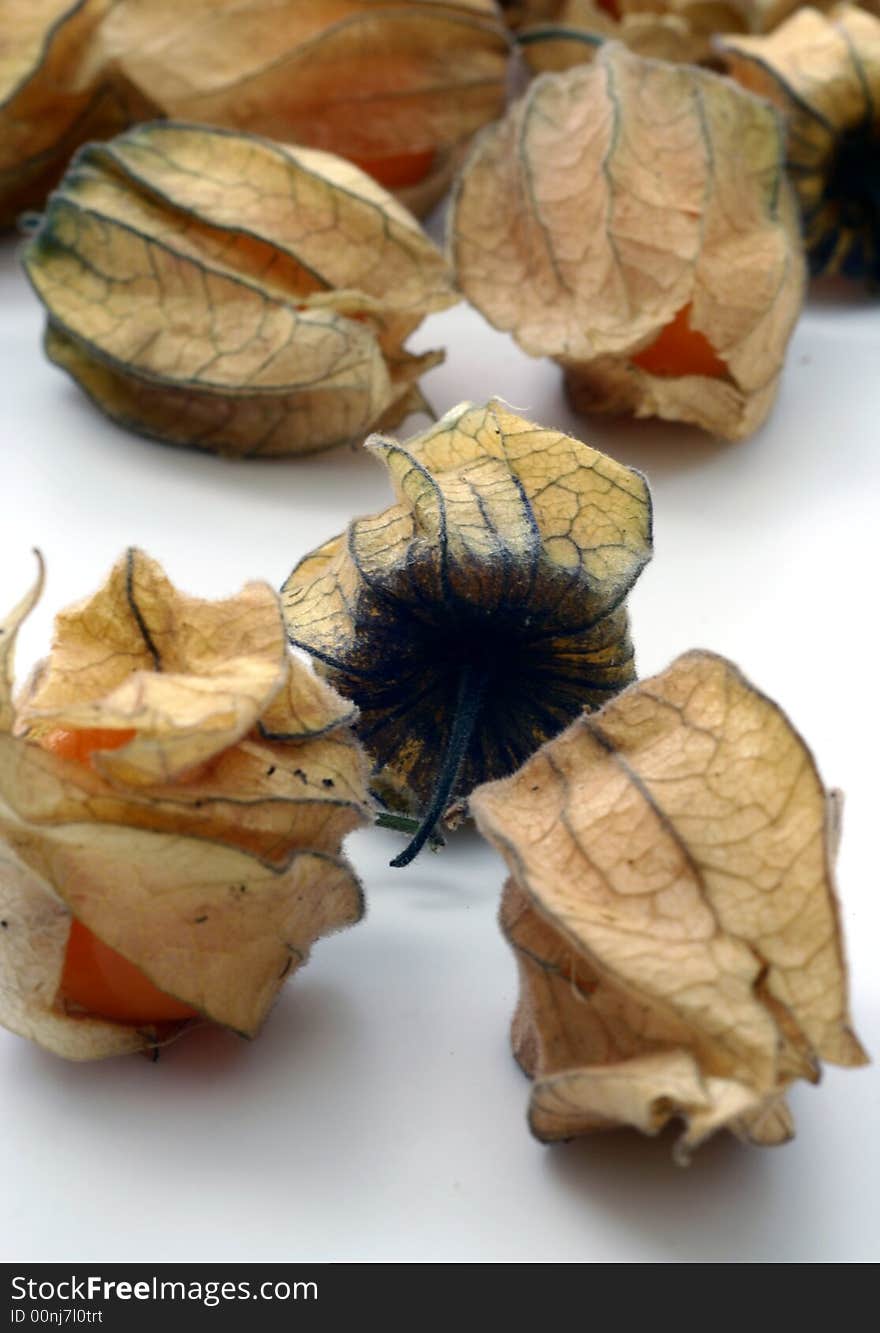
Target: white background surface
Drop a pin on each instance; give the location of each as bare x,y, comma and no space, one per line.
380,1116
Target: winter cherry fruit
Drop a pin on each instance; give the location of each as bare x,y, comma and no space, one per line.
95,977
680,350
398,169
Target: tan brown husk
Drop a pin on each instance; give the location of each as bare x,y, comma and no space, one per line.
613,198
563,33
823,72
399,88
506,559
45,113
226,293
577,29
701,15
206,849
673,912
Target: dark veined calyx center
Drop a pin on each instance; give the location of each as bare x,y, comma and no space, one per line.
471,655
500,682
853,188
854,180
472,682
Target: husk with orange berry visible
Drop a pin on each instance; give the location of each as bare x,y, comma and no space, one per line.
226,293
397,89
632,220
200,839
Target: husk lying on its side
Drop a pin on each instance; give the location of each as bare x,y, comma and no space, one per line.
397,88
220,291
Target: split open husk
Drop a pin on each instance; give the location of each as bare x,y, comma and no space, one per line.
205,848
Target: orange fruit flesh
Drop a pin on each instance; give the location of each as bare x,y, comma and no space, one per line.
100,980
397,169
95,977
81,745
680,350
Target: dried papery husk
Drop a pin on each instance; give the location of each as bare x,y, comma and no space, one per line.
33,943
823,72
571,33
505,562
618,198
396,88
673,912
699,18
189,677
46,109
226,293
205,849
212,927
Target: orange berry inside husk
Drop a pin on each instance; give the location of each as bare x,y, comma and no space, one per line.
98,979
680,350
95,977
80,745
396,170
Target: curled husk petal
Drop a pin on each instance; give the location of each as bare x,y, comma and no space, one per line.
205,849
227,293
617,199
399,88
510,550
823,72
673,912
